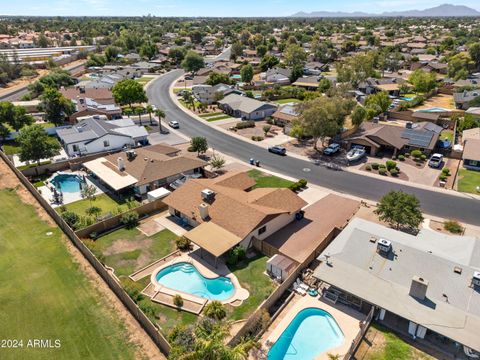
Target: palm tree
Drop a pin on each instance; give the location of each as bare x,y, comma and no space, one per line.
140,111
149,110
215,310
161,115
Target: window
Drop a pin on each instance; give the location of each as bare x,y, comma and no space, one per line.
106,143
75,148
262,230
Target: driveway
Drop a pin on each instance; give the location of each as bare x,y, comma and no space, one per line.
170,139
438,203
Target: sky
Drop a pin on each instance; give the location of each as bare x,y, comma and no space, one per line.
212,8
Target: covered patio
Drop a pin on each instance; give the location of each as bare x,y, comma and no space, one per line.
213,239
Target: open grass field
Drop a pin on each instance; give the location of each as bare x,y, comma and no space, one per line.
286,101
44,294
268,181
468,180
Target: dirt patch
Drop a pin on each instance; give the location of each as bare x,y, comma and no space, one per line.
146,347
120,246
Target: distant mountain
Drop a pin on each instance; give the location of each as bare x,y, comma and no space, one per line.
438,11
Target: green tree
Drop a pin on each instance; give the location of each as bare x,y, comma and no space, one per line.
177,54
148,51
215,78
459,65
88,192
261,51
474,51
236,50
20,118
56,106
217,162
294,55
297,72
380,101
128,92
139,111
422,81
111,53
149,111
400,210
358,115
269,61
42,41
215,310
356,69
199,144
192,62
161,115
35,144
247,73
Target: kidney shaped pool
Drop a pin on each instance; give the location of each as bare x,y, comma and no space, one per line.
186,278
313,331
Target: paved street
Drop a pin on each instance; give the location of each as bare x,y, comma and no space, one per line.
435,203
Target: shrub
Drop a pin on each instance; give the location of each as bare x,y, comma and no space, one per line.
442,177
453,226
245,124
375,166
235,255
94,247
93,235
407,155
130,219
423,157
215,310
416,154
178,300
302,182
148,309
391,164
401,157
257,138
368,167
394,172
382,171
183,243
93,211
382,166
132,288
446,171
70,218
294,187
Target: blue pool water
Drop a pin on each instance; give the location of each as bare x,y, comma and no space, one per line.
186,278
67,183
312,332
433,110
406,98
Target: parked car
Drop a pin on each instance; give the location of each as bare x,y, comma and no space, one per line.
280,150
180,181
331,149
174,124
188,77
356,153
436,161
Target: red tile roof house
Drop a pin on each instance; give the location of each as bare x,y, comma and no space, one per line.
226,211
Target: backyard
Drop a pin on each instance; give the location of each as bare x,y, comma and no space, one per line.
264,180
287,101
381,344
45,295
468,181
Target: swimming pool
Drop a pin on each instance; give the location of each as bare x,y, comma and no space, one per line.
186,278
434,110
406,98
313,331
67,183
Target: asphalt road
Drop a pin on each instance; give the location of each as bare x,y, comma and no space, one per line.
18,93
434,203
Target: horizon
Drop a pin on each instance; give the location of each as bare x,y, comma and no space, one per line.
211,8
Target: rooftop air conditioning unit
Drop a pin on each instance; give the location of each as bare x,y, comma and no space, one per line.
476,278
384,246
208,195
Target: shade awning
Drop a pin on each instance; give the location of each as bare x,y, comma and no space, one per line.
213,238
104,170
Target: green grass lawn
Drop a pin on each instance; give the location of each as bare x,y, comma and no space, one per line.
251,275
45,295
286,101
394,348
216,118
144,79
211,114
11,147
468,180
103,201
268,181
177,90
140,250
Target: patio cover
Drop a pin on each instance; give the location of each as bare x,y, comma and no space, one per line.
109,175
213,238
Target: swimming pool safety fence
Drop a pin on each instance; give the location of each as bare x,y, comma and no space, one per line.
358,339
112,283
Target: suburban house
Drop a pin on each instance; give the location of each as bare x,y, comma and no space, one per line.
245,107
144,169
471,149
226,211
308,82
277,76
285,115
392,138
94,134
92,101
426,286
208,94
462,99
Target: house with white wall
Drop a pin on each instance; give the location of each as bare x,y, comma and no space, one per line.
228,211
95,134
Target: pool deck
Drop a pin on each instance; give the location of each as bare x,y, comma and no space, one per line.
347,319
192,303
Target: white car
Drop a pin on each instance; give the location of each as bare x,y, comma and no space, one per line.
174,124
356,153
436,161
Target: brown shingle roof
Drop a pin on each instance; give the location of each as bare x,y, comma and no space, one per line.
471,149
234,209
